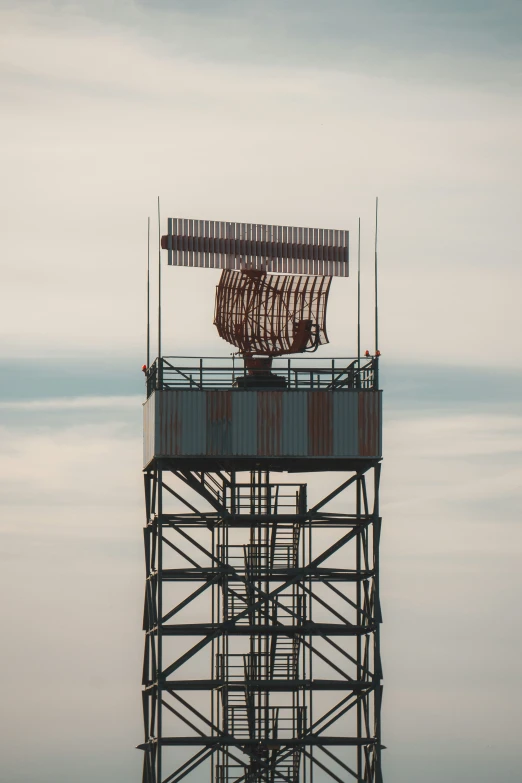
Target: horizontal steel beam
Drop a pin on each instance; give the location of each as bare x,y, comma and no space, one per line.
287,742
276,575
355,686
235,629
273,464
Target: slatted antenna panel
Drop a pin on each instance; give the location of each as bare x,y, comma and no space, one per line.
285,249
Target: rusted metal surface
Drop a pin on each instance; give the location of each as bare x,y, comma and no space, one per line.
320,424
272,315
169,420
251,423
269,429
219,422
284,249
369,421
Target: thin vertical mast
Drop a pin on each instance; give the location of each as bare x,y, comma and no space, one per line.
159,283
148,294
359,292
376,287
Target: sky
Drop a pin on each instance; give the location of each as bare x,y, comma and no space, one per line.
285,113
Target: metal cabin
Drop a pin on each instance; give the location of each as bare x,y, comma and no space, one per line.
328,416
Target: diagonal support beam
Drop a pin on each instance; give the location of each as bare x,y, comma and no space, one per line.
199,514
180,552
194,484
189,599
183,718
322,766
336,492
188,766
343,765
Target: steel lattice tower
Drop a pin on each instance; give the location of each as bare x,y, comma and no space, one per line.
262,610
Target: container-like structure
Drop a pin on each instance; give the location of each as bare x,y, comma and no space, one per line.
262,609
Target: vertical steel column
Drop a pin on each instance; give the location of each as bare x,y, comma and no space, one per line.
378,615
159,625
358,561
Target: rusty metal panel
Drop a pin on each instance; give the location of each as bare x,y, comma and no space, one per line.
170,423
192,406
269,410
261,316
369,424
320,424
244,423
294,435
262,423
219,422
345,423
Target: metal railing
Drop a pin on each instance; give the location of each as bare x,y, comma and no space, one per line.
266,498
202,373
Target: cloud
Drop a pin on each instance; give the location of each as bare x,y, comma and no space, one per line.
462,41
66,465
72,403
454,465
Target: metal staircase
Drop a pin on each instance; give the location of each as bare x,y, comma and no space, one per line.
256,715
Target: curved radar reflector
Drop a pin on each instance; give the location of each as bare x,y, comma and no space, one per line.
271,314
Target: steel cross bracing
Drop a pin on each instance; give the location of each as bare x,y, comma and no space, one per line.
262,629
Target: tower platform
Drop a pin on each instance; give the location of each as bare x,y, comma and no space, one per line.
200,412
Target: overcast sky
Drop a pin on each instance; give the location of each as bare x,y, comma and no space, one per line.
293,113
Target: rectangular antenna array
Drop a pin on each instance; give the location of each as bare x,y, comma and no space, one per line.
287,249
